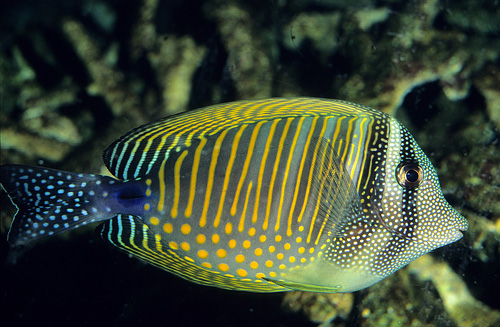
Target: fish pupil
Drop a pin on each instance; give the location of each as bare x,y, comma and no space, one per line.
412,176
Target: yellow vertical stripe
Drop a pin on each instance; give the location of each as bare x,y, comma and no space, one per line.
244,171
353,149
365,156
177,183
367,178
273,176
234,149
245,206
360,143
211,173
194,176
161,180
301,169
285,175
320,191
337,131
328,189
311,170
347,138
261,170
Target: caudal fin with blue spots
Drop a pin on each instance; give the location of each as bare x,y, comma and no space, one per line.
52,201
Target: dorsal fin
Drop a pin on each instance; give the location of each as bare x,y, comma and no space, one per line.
142,149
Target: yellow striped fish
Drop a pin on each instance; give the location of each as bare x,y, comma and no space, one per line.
263,195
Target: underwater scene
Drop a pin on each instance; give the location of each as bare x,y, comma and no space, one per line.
353,227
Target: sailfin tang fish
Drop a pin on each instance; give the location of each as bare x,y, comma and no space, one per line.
262,195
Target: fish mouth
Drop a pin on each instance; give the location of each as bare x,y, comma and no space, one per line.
457,234
452,236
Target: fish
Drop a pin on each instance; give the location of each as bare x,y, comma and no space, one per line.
261,195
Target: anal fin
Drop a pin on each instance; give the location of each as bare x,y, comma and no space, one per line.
130,234
303,286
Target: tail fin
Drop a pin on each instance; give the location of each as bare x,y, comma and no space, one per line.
50,201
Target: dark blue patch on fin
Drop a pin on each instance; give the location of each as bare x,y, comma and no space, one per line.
130,195
51,201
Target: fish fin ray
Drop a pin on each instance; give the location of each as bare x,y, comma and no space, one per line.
130,234
339,200
303,286
48,201
152,142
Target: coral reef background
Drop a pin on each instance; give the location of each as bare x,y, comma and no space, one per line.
75,75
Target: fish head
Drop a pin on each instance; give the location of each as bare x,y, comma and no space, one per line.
412,213
413,200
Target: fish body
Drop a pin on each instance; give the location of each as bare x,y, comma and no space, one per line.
262,195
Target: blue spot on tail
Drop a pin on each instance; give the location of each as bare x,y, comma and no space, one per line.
51,201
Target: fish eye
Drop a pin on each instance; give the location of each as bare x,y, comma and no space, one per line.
409,175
